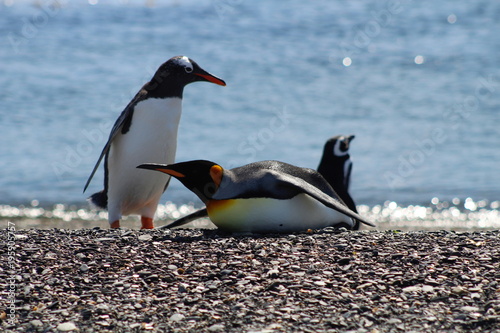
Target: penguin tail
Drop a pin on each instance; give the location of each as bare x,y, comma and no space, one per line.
99,199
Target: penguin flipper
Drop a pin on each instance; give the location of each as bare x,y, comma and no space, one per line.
103,153
329,201
122,123
347,199
200,213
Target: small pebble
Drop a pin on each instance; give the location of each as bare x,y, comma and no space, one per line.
145,237
470,308
411,289
176,317
428,289
458,290
66,327
216,328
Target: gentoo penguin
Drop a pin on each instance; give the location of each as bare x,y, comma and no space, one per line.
336,165
145,131
262,197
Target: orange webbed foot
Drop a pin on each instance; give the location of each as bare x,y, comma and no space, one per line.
147,223
115,224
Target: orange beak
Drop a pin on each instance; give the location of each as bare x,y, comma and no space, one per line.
212,79
162,168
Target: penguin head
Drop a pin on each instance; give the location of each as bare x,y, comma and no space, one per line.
338,146
173,75
200,176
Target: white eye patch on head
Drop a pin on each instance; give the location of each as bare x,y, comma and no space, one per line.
184,62
337,151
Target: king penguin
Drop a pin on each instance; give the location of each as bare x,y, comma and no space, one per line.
262,197
146,130
336,166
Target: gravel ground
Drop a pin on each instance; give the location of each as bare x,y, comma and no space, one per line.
99,280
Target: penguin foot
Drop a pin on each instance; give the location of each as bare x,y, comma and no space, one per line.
147,223
115,224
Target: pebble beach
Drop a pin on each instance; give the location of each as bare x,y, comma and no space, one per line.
192,280
416,82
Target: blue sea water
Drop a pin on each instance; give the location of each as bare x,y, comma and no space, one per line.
417,82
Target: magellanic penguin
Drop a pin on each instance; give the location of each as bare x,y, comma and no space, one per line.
336,166
145,131
262,197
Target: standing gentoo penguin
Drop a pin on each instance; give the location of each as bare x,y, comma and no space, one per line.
336,166
262,197
145,131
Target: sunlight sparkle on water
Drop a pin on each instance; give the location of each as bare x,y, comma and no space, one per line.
439,215
346,61
452,18
470,204
419,60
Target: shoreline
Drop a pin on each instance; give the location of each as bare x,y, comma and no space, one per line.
457,215
133,223
188,280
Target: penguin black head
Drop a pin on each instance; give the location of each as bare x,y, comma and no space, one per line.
172,76
338,145
200,176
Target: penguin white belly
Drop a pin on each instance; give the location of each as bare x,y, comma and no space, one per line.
266,215
152,138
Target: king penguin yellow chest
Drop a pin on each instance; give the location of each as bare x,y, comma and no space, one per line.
272,215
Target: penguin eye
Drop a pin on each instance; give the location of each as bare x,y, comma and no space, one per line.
188,69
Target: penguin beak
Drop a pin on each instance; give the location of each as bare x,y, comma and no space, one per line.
350,137
206,76
162,168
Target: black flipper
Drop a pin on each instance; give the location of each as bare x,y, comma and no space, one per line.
122,124
200,213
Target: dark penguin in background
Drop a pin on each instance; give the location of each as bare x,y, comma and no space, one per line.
262,197
336,166
146,131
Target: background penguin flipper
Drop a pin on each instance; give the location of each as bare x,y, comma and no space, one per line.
200,213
